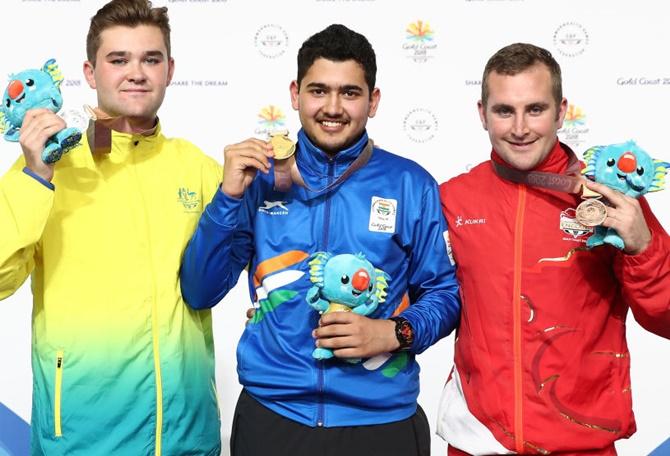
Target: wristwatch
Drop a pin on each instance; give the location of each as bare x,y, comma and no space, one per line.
403,332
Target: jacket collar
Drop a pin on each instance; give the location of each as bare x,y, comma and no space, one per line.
314,162
122,138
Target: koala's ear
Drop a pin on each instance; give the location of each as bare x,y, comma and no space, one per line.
381,285
590,157
660,170
316,267
12,134
51,67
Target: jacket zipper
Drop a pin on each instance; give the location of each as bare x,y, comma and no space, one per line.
58,432
326,231
516,306
154,325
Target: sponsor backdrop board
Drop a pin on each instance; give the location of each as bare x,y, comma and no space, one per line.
234,62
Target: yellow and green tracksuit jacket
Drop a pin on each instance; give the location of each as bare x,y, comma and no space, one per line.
121,366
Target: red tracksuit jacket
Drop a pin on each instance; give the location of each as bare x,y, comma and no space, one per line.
541,355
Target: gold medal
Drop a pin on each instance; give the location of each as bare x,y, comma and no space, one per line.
282,145
336,307
591,212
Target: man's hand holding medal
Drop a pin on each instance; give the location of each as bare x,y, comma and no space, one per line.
241,163
623,214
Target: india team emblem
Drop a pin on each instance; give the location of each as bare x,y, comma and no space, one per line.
382,215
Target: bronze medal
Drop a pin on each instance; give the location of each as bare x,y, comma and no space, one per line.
591,212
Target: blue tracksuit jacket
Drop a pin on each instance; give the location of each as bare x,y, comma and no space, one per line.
390,211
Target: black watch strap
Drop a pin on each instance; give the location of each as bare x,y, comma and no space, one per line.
403,332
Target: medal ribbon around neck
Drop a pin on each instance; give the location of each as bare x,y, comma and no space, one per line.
286,169
99,131
590,212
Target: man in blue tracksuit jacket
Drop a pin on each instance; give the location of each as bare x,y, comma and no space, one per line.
359,226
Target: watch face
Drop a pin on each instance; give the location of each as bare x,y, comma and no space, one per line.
403,332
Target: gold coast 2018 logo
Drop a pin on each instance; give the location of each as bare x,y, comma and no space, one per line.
574,131
419,42
270,119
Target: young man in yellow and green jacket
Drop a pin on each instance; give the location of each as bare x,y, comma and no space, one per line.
120,364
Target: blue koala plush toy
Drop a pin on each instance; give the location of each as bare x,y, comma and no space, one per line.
344,283
625,167
31,89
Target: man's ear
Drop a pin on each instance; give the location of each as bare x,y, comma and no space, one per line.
560,115
89,74
375,96
170,71
295,90
482,114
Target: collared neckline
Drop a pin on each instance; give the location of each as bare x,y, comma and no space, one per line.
135,139
315,161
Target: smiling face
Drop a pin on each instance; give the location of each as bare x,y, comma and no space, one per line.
131,73
521,116
334,103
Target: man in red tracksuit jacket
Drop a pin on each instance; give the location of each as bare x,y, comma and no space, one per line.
541,361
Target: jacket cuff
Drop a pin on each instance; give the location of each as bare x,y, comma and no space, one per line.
223,209
649,253
417,342
39,179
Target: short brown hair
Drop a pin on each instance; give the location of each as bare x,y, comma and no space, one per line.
518,57
130,13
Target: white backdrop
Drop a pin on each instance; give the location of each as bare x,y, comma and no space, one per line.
234,62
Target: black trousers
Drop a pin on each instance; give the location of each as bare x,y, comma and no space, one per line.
258,431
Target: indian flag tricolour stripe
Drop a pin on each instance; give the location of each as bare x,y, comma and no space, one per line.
278,280
271,276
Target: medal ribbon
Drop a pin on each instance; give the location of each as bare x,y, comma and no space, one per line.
99,131
589,213
287,172
570,182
